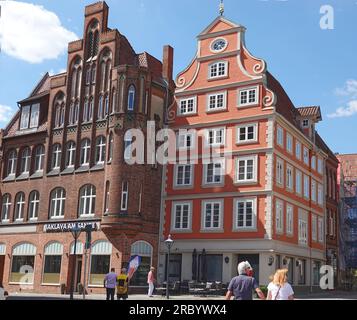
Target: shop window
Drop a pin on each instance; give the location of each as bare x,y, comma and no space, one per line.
100,265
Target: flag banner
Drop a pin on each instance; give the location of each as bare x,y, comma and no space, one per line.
133,265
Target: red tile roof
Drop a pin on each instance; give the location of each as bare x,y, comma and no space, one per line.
148,61
310,111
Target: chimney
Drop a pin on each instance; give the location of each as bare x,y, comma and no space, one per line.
167,63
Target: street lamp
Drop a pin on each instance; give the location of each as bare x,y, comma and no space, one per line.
76,231
169,243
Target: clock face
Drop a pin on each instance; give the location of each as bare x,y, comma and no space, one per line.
219,45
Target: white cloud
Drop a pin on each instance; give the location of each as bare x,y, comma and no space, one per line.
348,111
6,113
30,32
349,91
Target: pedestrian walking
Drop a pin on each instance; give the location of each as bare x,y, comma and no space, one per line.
242,287
110,282
122,285
151,281
279,288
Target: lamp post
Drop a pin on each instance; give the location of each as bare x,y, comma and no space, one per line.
169,243
76,231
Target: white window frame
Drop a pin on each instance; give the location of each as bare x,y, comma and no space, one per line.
70,154
246,140
303,232
306,187
215,136
87,194
5,208
85,148
298,150
221,170
289,219
289,177
220,202
19,207
25,160
245,228
319,165
194,111
182,135
184,185
279,217
298,182
313,163
321,234
56,156
314,228
57,204
303,123
289,143
12,163
320,194
247,91
313,190
280,136
209,96
306,156
217,64
34,205
101,145
189,217
280,172
255,169
39,158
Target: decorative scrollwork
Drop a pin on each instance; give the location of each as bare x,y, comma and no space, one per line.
259,67
171,112
181,81
269,99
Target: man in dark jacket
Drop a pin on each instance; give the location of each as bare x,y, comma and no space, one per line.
242,287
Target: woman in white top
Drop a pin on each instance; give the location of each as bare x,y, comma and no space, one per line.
279,288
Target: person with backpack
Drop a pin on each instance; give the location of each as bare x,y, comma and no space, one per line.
122,285
279,288
242,287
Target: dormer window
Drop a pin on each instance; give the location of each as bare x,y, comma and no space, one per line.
305,123
218,70
30,116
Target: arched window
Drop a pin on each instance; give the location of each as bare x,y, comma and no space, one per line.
106,105
58,198
95,43
59,110
100,108
25,160
76,113
70,154
100,150
93,40
85,152
39,158
94,73
86,110
90,109
87,195
101,253
56,156
131,98
5,207
23,264
19,206
52,263
71,114
34,203
107,194
76,78
111,145
114,101
11,163
145,251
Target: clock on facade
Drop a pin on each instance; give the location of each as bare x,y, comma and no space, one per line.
219,45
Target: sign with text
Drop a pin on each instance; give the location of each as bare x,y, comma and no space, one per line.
68,226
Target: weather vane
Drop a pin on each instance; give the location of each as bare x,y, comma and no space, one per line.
221,8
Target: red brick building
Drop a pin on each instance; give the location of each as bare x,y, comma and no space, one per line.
63,162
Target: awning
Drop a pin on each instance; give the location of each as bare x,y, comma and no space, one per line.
24,249
54,249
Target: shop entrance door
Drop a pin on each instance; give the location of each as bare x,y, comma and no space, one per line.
78,276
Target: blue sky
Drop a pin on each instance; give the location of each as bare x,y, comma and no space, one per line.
315,66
